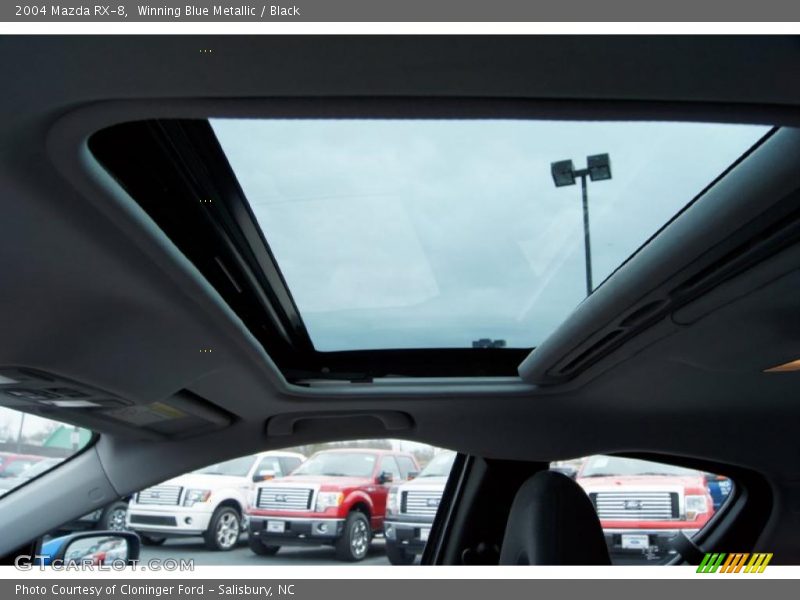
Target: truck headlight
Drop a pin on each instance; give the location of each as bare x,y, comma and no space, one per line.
326,500
393,502
194,496
695,505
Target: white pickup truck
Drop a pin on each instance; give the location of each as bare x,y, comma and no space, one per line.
210,502
411,508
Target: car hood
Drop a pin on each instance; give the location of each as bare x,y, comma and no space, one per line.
320,480
207,482
641,481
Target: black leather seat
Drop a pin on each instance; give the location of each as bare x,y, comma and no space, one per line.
553,522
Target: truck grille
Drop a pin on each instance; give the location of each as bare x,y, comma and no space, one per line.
628,505
420,503
160,494
284,498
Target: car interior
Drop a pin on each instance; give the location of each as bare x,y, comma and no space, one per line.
302,239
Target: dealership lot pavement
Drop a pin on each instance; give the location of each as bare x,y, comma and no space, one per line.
193,548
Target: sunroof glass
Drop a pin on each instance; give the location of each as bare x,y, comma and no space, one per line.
401,234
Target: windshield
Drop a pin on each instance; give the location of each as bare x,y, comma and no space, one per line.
31,445
439,466
606,466
17,467
338,464
238,467
39,468
448,233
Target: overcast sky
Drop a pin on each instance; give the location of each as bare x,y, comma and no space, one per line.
11,419
409,234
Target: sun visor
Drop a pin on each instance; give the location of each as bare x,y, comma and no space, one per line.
183,414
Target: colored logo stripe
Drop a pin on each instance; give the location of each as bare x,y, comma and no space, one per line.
758,563
733,563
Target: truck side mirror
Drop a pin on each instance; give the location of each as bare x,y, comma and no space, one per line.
265,475
94,547
385,477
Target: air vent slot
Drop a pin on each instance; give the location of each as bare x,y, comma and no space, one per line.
592,350
643,313
766,236
781,234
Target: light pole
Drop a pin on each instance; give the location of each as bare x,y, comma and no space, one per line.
19,433
598,168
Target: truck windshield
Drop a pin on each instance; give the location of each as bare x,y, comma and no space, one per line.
609,466
338,464
439,466
238,467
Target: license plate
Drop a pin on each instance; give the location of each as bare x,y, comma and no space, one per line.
276,526
635,541
423,534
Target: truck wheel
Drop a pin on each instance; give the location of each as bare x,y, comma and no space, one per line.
113,517
398,555
223,531
152,541
257,546
354,543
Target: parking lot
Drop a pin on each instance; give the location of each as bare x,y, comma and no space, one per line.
193,548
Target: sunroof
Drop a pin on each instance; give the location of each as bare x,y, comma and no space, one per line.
415,234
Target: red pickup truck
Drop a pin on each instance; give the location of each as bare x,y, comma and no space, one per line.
337,497
643,505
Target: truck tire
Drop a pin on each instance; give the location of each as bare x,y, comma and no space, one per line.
148,540
223,530
398,555
356,536
260,548
113,517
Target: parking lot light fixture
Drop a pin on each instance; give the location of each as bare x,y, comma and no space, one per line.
598,168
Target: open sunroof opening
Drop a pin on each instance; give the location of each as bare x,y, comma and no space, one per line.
452,233
362,248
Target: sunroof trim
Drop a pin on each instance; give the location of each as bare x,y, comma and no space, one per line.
432,108
169,194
